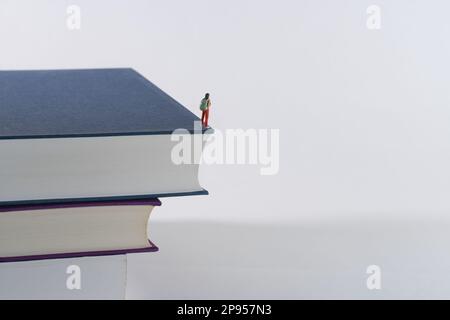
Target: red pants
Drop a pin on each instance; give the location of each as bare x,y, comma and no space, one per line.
205,115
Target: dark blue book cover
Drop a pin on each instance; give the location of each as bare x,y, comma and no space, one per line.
86,102
51,119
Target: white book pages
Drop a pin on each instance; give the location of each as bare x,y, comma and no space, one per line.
102,277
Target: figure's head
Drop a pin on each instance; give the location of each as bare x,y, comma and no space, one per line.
207,96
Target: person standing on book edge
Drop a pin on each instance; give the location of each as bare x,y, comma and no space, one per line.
205,104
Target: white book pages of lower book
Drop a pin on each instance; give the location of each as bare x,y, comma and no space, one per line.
102,277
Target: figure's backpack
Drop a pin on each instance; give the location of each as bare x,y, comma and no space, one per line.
204,104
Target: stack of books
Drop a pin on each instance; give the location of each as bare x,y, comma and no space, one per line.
84,157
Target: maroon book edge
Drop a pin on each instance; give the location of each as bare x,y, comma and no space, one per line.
56,205
152,248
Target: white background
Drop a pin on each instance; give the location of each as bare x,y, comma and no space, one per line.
364,137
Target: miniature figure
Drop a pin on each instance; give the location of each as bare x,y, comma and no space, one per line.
205,104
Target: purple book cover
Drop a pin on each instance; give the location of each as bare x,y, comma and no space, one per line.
62,255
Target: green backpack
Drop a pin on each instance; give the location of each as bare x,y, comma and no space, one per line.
204,104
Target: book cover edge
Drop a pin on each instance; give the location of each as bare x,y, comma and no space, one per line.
105,199
66,255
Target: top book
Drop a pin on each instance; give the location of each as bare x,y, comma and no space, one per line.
86,102
92,135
